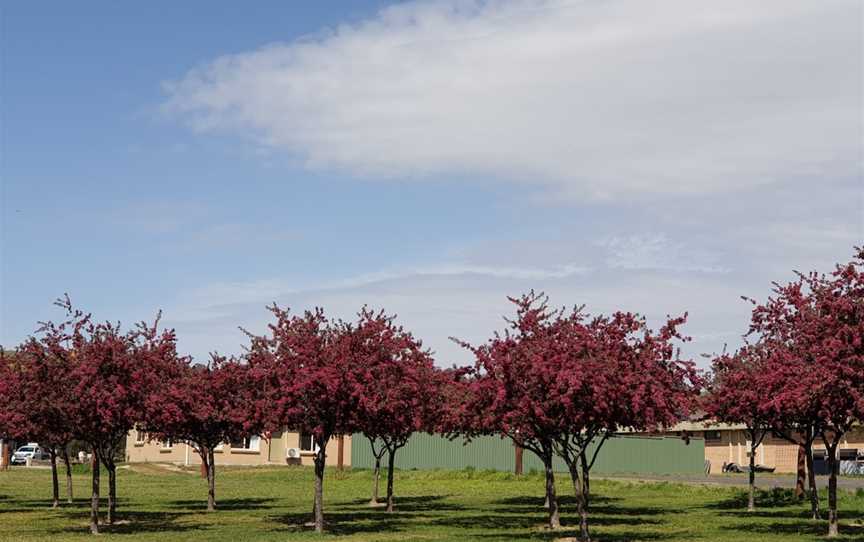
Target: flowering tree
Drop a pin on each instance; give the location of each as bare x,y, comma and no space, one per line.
400,389
614,373
203,406
307,381
813,329
512,391
110,374
558,381
735,396
35,402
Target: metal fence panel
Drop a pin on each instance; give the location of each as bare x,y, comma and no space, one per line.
622,454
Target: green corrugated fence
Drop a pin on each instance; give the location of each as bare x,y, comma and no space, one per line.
620,454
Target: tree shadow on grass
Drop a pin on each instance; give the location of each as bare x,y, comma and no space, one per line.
563,500
770,503
343,523
532,528
572,534
224,504
600,506
46,503
770,498
43,505
132,522
533,520
817,529
421,503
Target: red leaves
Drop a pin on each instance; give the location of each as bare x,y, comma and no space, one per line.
735,393
328,377
205,405
86,380
811,334
555,373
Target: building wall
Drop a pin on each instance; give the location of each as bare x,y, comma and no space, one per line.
732,447
269,452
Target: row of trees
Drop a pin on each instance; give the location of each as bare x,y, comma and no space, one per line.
555,381
801,375
96,383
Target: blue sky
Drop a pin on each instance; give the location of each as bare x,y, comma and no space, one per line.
427,157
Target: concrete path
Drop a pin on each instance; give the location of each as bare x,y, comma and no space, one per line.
763,480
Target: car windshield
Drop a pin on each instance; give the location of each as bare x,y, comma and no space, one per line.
26,449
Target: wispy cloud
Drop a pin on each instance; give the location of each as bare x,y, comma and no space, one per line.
268,290
439,304
602,99
656,251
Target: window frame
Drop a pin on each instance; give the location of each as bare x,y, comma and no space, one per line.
712,437
251,439
315,448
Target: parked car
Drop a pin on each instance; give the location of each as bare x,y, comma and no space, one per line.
735,467
30,451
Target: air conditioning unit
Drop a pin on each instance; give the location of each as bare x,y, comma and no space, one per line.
293,453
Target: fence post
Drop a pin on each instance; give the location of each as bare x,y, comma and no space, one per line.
518,469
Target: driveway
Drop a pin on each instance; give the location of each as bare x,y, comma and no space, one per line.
763,480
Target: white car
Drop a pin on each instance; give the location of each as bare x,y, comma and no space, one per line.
30,451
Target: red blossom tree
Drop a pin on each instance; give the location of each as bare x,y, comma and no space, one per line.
511,391
557,381
35,402
400,389
203,406
110,374
307,382
735,396
615,373
813,329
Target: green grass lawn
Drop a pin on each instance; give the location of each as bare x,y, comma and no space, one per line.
274,503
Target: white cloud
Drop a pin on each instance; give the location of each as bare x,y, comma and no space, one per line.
658,252
436,306
589,98
268,290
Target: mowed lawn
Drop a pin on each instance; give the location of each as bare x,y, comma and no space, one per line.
274,503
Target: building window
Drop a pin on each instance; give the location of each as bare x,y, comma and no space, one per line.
246,443
167,444
140,436
307,443
712,436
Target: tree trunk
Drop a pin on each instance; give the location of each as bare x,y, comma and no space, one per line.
833,468
320,458
811,481
586,481
377,476
211,480
751,497
551,498
55,484
69,498
112,492
391,462
94,498
579,494
801,479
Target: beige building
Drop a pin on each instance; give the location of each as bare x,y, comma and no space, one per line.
283,448
726,443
